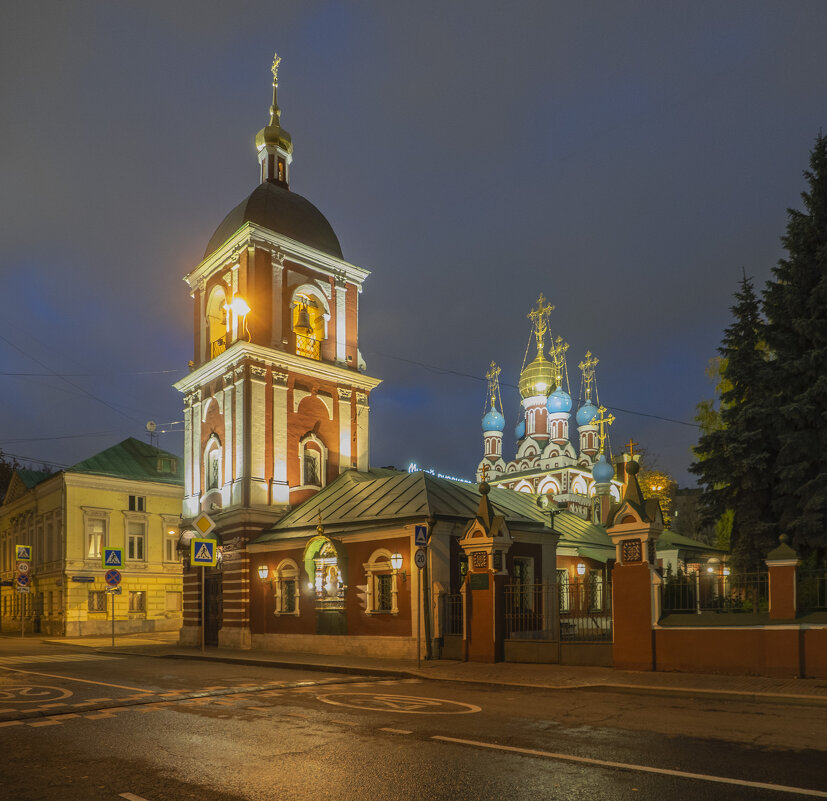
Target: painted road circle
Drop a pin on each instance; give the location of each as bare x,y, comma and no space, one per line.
32,694
406,704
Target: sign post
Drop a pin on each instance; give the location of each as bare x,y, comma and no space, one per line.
420,557
203,552
113,580
23,554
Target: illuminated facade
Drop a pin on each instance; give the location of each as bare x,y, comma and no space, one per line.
547,461
276,405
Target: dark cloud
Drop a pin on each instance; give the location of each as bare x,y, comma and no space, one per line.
625,159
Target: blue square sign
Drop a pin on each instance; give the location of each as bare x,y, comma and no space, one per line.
203,552
420,536
112,557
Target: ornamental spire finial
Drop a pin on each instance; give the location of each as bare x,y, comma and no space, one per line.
587,368
275,111
493,377
539,319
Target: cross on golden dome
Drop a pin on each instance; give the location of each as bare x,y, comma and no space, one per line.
631,444
601,420
587,368
484,470
275,68
539,319
558,356
493,376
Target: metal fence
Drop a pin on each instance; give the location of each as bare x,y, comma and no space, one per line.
584,607
811,592
719,591
452,613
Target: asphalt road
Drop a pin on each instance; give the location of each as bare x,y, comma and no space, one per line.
80,725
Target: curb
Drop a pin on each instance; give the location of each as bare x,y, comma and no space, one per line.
631,689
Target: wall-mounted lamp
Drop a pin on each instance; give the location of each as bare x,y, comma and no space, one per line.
262,572
726,571
581,569
396,564
710,570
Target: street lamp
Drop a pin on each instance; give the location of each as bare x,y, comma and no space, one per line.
396,563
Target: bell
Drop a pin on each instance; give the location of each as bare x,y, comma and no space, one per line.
303,327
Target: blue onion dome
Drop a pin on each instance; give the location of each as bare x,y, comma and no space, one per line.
586,413
493,421
558,401
537,378
603,472
519,431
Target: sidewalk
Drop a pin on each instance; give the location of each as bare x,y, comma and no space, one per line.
791,690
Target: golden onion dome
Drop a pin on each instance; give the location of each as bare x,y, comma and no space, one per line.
537,378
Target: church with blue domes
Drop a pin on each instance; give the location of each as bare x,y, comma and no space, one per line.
550,459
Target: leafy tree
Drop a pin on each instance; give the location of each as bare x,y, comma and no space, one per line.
659,484
736,452
7,468
795,304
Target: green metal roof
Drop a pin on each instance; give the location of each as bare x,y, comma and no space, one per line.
384,495
136,460
31,478
670,541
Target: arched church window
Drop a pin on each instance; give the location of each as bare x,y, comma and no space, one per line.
212,464
312,461
217,322
286,587
308,325
381,584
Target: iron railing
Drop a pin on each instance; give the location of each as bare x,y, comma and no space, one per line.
584,607
718,591
811,592
452,613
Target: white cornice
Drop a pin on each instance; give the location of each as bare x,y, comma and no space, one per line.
278,359
251,234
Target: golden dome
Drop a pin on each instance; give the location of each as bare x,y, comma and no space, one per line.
537,378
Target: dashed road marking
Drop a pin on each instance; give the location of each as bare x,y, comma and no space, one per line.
48,722
404,704
10,723
603,763
397,731
132,797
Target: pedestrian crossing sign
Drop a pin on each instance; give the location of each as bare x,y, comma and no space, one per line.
203,552
112,557
23,553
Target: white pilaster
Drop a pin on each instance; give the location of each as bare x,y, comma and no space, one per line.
238,440
197,489
190,508
345,429
362,428
202,323
277,262
281,492
227,456
258,481
341,321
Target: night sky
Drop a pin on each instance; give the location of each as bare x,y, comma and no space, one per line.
626,159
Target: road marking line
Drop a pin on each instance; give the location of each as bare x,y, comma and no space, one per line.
84,681
397,731
67,716
10,723
49,722
132,797
99,716
781,788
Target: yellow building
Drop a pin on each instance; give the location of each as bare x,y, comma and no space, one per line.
128,496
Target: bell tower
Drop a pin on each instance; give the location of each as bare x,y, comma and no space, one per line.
276,403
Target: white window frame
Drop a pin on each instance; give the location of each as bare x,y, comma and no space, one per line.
132,519
380,564
89,516
287,570
170,525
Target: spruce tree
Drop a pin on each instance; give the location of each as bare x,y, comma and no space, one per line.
795,304
735,458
